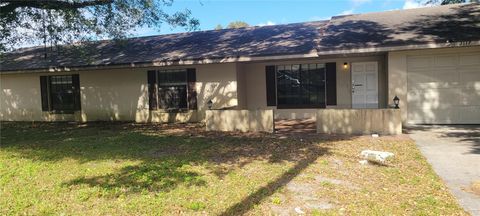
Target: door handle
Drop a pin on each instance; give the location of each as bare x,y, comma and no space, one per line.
358,85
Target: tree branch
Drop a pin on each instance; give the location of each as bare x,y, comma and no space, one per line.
11,5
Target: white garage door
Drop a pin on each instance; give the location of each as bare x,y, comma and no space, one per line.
444,89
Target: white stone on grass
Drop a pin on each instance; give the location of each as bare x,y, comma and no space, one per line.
299,210
363,162
378,156
375,135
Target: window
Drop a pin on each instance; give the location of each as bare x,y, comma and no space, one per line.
172,89
60,93
301,86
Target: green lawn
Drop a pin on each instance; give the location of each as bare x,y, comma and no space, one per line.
128,169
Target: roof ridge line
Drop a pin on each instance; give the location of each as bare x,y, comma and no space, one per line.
408,9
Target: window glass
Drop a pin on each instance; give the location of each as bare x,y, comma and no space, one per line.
301,85
295,67
172,77
172,88
61,93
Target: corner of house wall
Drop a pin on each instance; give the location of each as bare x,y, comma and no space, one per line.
397,79
241,87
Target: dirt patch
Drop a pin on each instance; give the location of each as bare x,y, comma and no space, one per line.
302,196
333,181
474,188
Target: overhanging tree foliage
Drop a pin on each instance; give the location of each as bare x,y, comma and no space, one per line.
63,21
233,24
238,24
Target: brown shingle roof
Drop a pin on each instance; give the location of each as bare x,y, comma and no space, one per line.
252,41
398,28
442,24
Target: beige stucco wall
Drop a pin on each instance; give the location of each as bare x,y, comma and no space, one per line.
359,121
216,82
242,86
397,72
20,100
122,94
111,95
256,87
239,120
116,95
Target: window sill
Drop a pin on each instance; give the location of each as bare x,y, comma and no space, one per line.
183,110
301,106
61,112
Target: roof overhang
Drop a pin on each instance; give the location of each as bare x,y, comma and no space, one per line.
400,48
164,63
320,54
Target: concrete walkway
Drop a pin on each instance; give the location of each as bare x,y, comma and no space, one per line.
454,153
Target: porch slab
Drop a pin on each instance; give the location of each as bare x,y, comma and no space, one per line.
296,125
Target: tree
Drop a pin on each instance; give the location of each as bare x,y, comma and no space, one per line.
218,27
64,21
445,2
237,24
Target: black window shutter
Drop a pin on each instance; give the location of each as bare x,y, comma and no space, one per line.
152,90
191,91
76,91
270,83
331,76
44,93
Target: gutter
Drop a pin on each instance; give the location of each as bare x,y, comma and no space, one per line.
400,48
164,63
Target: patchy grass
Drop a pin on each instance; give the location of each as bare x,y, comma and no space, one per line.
128,169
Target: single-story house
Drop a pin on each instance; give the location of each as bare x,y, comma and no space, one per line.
428,57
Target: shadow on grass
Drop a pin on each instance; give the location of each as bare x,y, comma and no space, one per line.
166,154
151,176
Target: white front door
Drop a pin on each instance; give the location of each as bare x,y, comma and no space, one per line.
365,85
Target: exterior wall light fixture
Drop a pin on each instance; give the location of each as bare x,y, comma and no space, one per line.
210,104
396,101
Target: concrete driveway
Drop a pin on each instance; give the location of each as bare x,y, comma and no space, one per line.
454,153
